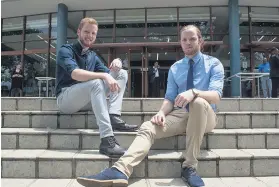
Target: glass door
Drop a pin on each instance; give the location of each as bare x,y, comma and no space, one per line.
164,57
132,60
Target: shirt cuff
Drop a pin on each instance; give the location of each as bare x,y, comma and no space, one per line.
169,98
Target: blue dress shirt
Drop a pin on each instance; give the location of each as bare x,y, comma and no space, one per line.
208,75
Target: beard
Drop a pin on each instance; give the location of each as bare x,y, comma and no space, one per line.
85,43
191,52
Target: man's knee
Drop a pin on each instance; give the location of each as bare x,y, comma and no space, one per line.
96,85
199,103
148,128
123,75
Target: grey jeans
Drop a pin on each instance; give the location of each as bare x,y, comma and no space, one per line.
92,95
266,86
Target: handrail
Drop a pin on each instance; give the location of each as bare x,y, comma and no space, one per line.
248,76
252,75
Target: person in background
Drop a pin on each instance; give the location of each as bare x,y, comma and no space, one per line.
155,80
274,71
17,82
265,80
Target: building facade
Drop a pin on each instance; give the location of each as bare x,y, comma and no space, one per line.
239,33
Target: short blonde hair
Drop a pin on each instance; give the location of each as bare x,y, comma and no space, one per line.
87,20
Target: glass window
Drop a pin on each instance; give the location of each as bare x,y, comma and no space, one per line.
245,61
258,58
244,39
103,55
162,25
38,61
52,65
199,16
136,73
123,55
222,52
244,20
36,27
43,44
11,46
265,38
52,60
130,25
8,64
265,21
165,58
220,20
74,19
54,42
12,29
54,25
35,65
105,24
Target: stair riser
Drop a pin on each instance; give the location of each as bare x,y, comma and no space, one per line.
88,121
87,141
71,168
137,105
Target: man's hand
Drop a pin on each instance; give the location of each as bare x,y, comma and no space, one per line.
17,75
116,65
184,98
159,119
112,83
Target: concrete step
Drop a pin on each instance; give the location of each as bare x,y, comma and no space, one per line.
158,164
141,104
148,182
78,139
87,120
175,182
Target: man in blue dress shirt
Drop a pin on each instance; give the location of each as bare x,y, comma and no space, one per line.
195,85
265,80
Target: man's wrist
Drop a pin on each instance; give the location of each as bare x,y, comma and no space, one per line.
162,112
195,92
104,75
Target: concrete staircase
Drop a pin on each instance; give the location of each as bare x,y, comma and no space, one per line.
41,146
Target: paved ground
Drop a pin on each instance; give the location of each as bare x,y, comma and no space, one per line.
210,182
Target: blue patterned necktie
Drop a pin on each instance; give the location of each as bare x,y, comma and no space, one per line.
190,79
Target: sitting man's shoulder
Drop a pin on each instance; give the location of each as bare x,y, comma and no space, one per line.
211,60
66,46
66,50
176,64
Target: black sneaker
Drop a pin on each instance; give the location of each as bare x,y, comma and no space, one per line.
110,147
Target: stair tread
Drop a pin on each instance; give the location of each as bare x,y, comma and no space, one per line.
211,154
51,112
269,181
96,131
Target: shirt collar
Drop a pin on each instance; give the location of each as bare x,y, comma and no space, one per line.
79,48
195,58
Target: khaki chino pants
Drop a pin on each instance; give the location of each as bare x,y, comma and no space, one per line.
200,120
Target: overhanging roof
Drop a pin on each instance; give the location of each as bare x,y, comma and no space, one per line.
14,8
